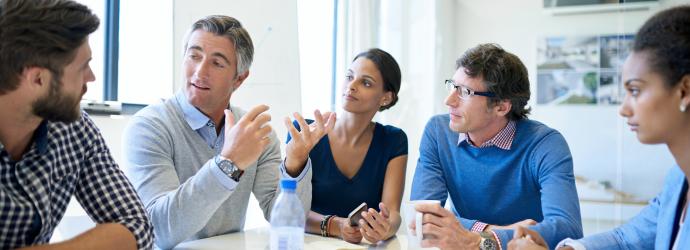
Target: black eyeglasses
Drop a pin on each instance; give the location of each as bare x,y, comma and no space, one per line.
464,92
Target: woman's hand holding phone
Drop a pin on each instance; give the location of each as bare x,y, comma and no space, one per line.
348,232
375,226
348,229
356,214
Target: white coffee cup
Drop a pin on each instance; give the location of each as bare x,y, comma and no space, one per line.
412,216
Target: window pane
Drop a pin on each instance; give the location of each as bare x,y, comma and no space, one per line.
315,27
145,69
97,43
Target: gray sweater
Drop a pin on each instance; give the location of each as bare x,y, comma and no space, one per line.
170,165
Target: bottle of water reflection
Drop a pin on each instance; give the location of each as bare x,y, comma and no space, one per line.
287,219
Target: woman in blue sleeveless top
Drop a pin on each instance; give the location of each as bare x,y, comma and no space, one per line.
656,77
360,160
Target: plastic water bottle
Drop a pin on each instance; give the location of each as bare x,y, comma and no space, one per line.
287,219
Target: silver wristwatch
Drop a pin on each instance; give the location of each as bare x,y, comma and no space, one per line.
229,168
488,242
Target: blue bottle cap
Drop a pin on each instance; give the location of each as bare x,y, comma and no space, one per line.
288,184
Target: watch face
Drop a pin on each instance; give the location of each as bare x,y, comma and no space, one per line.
229,169
488,245
226,166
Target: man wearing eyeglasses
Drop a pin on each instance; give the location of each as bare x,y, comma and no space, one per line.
500,169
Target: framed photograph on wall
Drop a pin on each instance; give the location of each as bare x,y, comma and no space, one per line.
581,70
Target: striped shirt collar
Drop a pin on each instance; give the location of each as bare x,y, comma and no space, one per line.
502,140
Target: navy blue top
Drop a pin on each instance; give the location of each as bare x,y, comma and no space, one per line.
333,193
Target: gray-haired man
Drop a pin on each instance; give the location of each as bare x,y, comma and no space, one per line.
194,159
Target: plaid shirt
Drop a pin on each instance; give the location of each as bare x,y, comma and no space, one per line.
65,160
502,140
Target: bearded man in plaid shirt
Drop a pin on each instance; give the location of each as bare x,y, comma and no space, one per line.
49,149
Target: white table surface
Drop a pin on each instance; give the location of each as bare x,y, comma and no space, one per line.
259,239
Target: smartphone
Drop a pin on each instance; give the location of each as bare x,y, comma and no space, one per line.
356,214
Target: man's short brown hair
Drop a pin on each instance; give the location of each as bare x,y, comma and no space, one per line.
503,73
40,33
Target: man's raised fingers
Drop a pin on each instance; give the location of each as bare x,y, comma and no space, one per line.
254,112
261,120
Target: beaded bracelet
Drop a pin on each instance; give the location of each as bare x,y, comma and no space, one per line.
328,224
324,225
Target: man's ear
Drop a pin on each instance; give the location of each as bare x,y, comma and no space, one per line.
35,77
240,80
503,107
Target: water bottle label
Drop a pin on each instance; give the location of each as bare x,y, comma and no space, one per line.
283,241
287,238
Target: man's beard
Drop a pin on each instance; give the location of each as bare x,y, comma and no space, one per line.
57,107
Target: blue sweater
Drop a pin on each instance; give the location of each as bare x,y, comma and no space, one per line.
532,180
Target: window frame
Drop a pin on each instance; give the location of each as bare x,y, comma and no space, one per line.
111,60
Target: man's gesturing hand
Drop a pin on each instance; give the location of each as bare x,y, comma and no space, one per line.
246,139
